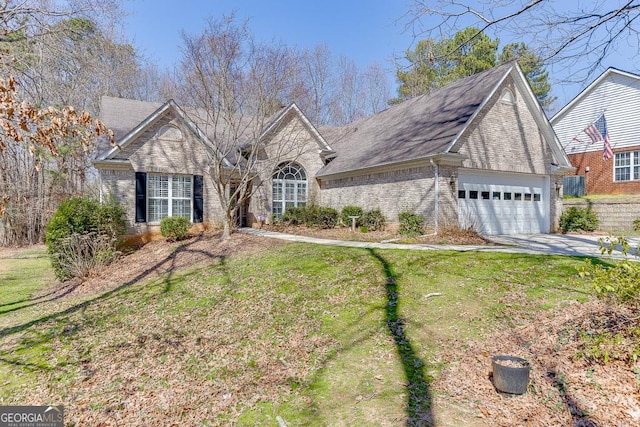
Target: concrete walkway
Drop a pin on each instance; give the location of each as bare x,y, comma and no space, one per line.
548,244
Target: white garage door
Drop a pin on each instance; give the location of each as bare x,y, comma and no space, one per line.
504,203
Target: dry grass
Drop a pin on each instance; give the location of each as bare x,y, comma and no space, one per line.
205,332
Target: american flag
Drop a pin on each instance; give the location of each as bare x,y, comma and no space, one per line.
597,132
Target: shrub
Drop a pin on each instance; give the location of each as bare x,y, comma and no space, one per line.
620,281
174,228
78,255
575,219
411,224
617,339
373,220
348,211
636,225
311,216
76,217
294,215
327,218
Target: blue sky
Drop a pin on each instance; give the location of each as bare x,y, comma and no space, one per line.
365,31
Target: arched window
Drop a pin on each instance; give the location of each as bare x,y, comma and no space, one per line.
170,132
289,187
508,97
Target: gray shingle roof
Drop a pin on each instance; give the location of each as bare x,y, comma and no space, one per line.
124,115
417,128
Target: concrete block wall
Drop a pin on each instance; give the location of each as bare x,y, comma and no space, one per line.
614,214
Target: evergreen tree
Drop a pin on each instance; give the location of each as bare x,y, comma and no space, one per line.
533,69
437,63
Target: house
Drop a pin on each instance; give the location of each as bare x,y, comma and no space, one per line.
478,153
614,96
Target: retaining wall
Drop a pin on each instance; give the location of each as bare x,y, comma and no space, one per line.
614,214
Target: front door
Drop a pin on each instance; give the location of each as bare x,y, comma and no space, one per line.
242,206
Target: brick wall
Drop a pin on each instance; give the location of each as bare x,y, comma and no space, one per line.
151,153
600,178
614,214
292,143
392,192
505,137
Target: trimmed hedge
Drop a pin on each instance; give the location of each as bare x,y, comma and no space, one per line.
311,216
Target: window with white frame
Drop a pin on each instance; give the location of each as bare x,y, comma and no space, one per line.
289,188
169,195
627,166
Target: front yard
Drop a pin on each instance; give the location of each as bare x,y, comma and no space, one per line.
255,332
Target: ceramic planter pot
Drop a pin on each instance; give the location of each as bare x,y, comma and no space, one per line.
510,374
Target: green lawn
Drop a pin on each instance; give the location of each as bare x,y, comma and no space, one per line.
314,335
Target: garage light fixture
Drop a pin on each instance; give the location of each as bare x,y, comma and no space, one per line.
453,179
558,187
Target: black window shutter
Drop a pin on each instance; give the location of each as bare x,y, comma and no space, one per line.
141,197
197,198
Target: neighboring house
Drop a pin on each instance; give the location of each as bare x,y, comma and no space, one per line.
615,95
478,153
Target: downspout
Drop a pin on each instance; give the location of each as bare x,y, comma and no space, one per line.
100,184
436,169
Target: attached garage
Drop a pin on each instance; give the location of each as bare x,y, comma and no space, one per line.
504,203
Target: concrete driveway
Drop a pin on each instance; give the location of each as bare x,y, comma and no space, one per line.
548,244
562,244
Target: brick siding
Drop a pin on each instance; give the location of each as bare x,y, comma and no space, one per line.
600,178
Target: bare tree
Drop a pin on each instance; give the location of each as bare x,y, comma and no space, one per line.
29,138
573,34
348,100
317,74
376,89
237,87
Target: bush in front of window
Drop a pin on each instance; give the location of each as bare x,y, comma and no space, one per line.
349,211
82,235
311,216
175,228
294,215
411,224
373,220
578,219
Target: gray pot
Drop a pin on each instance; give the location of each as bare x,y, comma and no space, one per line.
510,379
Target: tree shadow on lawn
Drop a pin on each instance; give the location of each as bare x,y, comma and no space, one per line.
54,295
164,269
418,407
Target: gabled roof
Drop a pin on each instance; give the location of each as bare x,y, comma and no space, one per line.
129,119
427,126
607,73
142,126
289,111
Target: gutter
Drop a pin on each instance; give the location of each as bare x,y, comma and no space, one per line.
437,195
